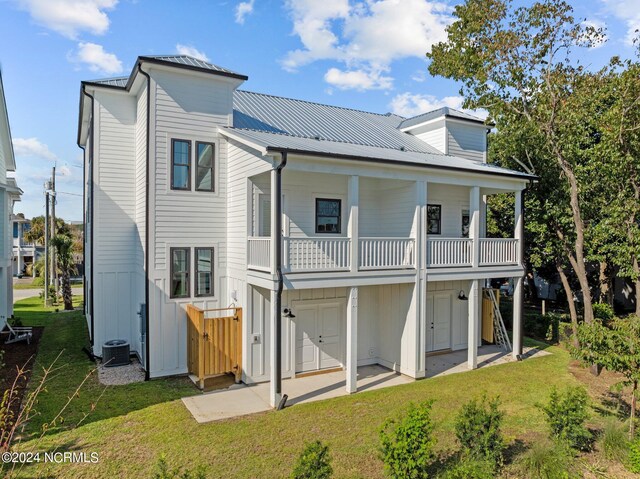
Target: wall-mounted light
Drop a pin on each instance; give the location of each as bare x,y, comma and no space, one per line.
462,296
288,313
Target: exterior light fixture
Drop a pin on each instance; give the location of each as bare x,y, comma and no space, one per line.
462,296
288,313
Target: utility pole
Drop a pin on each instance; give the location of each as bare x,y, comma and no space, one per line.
54,270
46,250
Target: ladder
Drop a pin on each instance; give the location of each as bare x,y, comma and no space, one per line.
500,332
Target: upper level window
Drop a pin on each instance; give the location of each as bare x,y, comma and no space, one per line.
205,166
180,272
204,271
328,215
15,230
434,219
466,223
180,165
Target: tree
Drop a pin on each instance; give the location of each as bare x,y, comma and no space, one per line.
36,232
517,63
63,245
617,348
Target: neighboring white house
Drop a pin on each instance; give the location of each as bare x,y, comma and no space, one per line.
25,252
381,227
9,194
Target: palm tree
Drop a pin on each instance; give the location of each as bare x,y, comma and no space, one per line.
63,245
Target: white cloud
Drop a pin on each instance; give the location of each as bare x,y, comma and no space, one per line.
191,51
70,17
412,104
243,10
629,12
96,58
366,36
33,148
360,80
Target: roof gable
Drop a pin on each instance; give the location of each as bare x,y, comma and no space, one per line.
440,112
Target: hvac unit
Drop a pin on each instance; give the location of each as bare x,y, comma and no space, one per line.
115,353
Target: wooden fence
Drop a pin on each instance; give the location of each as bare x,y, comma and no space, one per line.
488,315
214,343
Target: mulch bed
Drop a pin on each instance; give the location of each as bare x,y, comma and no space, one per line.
18,355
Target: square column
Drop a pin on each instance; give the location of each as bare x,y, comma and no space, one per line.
274,222
274,398
352,340
474,321
518,298
474,224
420,228
353,199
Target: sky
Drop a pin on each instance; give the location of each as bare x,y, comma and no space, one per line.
364,54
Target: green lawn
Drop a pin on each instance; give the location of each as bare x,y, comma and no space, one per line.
132,425
32,286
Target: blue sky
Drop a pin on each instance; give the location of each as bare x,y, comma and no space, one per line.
366,54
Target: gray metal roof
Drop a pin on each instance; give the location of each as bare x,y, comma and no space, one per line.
444,111
296,144
118,81
186,60
257,111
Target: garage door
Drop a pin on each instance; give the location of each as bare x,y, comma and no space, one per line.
319,335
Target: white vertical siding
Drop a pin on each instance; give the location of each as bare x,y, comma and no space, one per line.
453,200
386,207
459,310
466,141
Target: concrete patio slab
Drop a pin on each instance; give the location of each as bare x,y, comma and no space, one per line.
240,399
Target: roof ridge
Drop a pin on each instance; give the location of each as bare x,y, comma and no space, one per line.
316,103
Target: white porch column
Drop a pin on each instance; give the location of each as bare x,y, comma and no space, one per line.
420,228
519,225
274,398
352,340
474,321
353,200
474,224
518,287
274,233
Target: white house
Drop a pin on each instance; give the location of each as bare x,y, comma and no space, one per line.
25,252
366,227
9,194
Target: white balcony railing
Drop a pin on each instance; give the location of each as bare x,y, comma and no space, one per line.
387,253
498,251
317,254
444,252
259,253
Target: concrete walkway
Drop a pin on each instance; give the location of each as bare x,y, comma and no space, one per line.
240,399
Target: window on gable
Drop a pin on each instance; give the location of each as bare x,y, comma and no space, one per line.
328,215
180,266
434,219
204,271
205,168
180,165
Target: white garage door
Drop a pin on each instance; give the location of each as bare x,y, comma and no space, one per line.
319,335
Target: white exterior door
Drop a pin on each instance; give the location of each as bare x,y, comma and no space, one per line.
439,319
319,335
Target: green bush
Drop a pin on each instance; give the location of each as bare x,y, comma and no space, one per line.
546,328
545,460
313,463
163,471
407,444
470,468
634,456
612,441
478,430
37,281
603,312
566,413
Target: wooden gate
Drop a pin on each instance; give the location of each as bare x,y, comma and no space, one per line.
214,344
488,315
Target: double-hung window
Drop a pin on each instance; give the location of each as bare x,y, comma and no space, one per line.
180,165
205,167
180,266
434,219
328,213
204,271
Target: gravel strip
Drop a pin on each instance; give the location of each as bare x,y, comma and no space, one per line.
119,375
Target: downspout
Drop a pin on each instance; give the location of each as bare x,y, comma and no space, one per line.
278,261
84,227
91,209
146,229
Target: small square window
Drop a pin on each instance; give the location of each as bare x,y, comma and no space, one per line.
328,215
180,165
434,219
204,271
205,168
180,266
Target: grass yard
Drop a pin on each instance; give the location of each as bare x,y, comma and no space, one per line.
132,425
33,286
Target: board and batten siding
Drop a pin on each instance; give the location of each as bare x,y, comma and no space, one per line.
115,235
190,107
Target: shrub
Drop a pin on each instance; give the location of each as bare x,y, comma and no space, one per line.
603,312
545,460
634,456
407,444
37,281
612,441
478,430
313,463
566,414
545,327
470,468
163,471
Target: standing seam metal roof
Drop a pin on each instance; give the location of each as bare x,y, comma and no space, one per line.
444,111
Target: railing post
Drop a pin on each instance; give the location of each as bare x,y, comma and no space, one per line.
353,200
474,225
